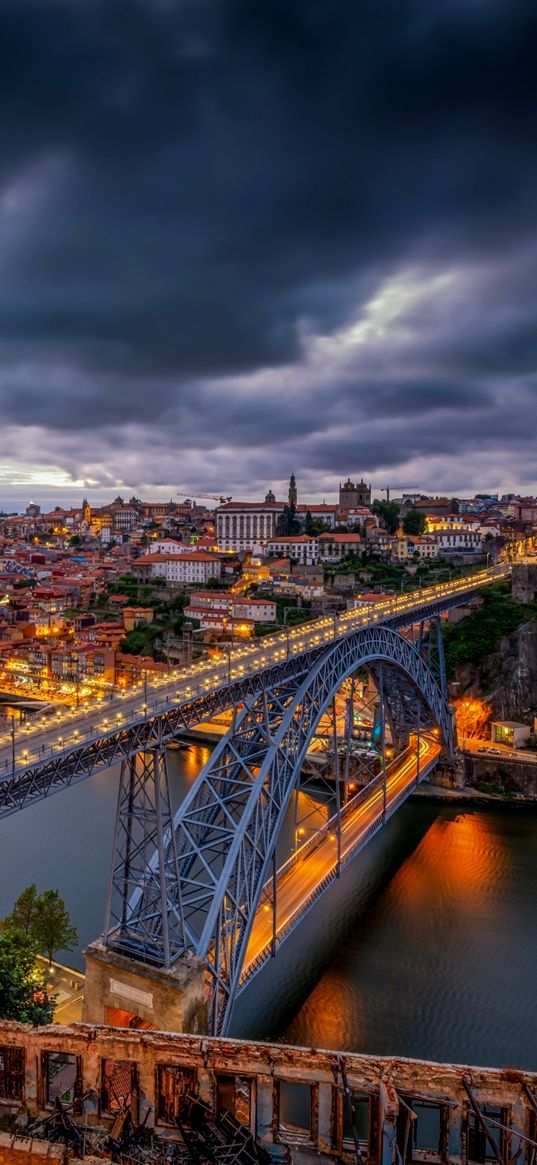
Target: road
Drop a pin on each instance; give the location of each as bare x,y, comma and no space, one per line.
485,749
43,737
301,877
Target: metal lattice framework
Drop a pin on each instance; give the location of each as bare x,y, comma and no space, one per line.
145,863
227,827
76,763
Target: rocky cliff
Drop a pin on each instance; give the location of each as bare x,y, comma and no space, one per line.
507,678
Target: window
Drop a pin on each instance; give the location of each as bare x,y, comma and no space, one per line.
235,1094
119,1086
294,1111
11,1073
61,1077
479,1148
174,1084
426,1129
360,1102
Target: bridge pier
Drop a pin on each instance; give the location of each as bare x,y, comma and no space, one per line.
123,992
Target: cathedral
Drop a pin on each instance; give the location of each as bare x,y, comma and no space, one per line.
352,495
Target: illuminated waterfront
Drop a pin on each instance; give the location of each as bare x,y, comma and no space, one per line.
426,947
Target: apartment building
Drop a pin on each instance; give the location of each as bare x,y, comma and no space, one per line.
221,610
177,569
303,548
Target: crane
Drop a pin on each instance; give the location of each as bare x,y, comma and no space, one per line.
215,497
386,489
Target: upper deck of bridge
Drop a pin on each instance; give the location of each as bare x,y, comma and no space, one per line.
95,735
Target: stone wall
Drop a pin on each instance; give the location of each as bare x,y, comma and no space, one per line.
524,582
515,778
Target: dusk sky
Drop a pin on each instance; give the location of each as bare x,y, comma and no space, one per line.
244,237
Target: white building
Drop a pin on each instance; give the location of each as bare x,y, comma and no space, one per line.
222,609
243,525
303,548
168,546
319,512
190,567
452,541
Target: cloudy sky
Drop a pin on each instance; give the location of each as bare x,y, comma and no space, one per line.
244,237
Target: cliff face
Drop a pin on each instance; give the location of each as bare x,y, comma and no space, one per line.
508,677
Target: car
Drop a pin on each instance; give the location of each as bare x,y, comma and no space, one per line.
497,751
481,748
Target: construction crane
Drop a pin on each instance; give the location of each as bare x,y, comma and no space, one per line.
215,497
386,489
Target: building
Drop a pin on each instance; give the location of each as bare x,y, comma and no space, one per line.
509,732
334,547
352,495
318,512
458,541
224,611
167,546
303,548
406,546
177,569
243,525
295,1099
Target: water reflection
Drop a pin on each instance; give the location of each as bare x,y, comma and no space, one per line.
425,947
442,963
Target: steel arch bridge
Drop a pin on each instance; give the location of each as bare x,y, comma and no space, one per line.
200,891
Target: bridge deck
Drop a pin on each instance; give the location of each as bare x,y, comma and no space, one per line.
49,756
305,876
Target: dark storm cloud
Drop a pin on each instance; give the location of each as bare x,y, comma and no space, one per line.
193,192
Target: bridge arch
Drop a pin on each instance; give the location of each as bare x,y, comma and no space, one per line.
227,827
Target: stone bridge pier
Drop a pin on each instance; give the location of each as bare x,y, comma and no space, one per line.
124,992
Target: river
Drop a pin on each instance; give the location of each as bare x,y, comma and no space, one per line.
426,947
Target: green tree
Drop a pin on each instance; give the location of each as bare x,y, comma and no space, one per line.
214,584
388,512
24,913
52,928
414,522
23,995
288,522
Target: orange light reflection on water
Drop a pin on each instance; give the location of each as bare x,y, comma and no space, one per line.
451,870
457,858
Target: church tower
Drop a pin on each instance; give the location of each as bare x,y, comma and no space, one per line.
292,491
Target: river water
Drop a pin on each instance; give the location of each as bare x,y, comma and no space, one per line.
426,947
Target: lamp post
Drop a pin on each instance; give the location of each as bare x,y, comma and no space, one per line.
13,745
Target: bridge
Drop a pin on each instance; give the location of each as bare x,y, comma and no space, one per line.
207,881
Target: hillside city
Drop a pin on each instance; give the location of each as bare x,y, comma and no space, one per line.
92,598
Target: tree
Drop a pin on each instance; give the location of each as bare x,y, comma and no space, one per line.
22,993
288,522
24,913
53,929
414,522
388,512
214,584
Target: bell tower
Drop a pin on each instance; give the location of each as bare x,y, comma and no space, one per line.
292,491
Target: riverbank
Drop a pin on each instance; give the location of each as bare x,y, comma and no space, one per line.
470,796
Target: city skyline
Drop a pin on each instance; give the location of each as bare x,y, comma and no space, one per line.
244,240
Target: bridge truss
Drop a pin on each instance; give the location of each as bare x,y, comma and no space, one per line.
226,830
75,763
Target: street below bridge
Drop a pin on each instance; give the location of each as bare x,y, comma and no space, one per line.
69,730
301,879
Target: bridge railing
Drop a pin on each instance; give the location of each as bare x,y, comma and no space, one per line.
317,891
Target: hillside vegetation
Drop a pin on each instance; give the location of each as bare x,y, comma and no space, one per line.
478,636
